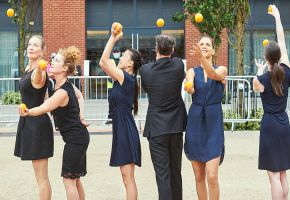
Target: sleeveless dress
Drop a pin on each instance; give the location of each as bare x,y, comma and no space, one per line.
126,147
204,138
74,134
34,138
274,148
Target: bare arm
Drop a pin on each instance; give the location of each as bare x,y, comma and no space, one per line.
280,35
80,98
81,102
38,78
257,86
218,74
106,64
59,98
190,79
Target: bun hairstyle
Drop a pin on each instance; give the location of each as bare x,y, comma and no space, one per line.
277,73
71,57
137,59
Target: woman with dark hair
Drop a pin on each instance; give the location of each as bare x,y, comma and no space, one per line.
64,106
274,148
126,149
204,138
34,139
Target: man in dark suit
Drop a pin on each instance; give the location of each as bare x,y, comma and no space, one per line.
166,117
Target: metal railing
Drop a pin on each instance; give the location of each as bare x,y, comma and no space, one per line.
240,103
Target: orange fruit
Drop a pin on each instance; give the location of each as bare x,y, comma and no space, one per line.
270,9
265,42
42,64
160,23
23,107
188,85
198,17
117,27
10,12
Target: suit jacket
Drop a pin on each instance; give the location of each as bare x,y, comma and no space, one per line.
166,112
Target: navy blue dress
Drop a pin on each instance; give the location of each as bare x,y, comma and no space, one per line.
274,149
126,147
204,138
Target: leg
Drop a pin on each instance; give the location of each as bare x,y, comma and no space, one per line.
41,175
71,189
212,167
284,182
175,151
80,189
127,172
159,150
199,173
276,186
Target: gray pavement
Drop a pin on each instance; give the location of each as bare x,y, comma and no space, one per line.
239,177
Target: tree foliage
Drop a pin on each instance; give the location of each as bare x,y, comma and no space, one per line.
25,13
217,15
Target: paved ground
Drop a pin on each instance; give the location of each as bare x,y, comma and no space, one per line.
239,177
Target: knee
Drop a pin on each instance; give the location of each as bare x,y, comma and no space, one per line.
199,177
42,179
127,179
212,178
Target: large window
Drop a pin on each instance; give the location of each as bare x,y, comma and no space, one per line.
138,18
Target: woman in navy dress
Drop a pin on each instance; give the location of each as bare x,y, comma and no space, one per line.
64,105
274,148
34,138
126,149
204,138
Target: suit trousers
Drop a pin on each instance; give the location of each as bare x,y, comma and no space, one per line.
166,154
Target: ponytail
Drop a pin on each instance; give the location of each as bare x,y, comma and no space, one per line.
277,75
136,94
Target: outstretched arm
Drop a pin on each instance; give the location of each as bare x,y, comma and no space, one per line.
59,98
280,35
106,64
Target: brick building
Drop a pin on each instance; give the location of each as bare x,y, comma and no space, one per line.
86,24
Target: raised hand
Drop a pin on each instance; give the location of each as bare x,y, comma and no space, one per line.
117,31
274,11
260,64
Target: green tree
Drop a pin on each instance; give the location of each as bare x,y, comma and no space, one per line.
25,13
218,15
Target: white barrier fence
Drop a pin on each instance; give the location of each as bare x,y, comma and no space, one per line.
240,103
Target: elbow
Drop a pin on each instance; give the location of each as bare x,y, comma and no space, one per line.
101,64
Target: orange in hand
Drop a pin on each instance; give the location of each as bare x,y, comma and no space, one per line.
10,12
270,9
23,107
42,64
188,85
117,27
265,42
198,17
160,22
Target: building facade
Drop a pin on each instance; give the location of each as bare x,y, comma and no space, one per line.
86,24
